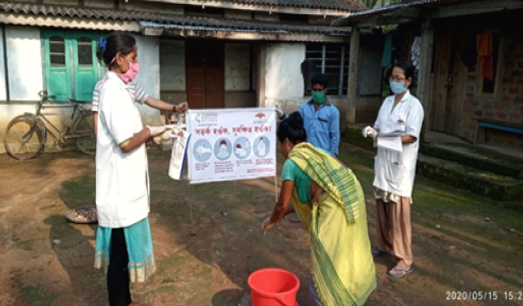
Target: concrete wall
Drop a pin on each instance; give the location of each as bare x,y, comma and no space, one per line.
237,14
283,78
172,62
237,74
172,71
237,67
264,16
3,84
149,76
26,79
24,56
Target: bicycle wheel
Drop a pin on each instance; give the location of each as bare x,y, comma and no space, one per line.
84,130
25,138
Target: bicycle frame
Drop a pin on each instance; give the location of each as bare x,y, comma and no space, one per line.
39,114
57,130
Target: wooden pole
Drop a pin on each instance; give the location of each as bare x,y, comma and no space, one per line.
424,79
190,202
275,188
352,95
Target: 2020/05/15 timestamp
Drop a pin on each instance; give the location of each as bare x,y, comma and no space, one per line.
484,295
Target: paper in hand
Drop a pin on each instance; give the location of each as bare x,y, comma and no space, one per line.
178,153
390,143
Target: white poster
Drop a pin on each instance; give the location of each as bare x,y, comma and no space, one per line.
231,144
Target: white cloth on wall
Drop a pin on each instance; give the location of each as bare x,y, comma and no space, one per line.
415,51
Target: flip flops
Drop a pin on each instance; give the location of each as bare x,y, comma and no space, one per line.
294,218
376,252
405,272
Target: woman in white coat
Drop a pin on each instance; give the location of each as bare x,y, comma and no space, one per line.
395,171
123,239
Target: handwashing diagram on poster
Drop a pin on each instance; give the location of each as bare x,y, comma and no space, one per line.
231,144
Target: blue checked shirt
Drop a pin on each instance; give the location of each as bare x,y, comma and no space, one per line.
322,126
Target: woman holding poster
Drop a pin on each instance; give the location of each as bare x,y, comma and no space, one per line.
329,201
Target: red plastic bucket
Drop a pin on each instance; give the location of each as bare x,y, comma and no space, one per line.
273,287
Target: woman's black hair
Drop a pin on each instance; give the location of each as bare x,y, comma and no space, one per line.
114,43
320,79
292,128
407,68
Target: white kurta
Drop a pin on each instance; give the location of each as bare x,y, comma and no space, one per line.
394,171
122,194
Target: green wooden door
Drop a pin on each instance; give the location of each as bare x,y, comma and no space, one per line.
85,65
58,73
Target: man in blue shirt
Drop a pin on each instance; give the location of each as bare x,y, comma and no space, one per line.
321,118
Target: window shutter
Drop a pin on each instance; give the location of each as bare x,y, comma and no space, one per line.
85,66
58,76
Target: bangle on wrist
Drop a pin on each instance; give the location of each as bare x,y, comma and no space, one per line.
175,110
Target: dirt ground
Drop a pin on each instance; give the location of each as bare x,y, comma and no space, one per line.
461,242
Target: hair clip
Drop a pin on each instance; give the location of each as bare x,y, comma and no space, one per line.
102,43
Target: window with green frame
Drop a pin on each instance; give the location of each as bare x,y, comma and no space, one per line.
71,66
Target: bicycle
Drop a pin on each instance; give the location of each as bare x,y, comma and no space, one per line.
26,134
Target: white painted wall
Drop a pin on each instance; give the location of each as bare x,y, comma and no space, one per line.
237,67
172,62
24,56
149,76
283,78
26,79
3,89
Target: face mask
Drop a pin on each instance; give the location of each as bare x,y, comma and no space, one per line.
397,87
129,76
318,97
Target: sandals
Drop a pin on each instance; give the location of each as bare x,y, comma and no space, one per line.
294,218
399,272
376,252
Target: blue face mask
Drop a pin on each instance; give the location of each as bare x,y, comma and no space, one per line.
397,87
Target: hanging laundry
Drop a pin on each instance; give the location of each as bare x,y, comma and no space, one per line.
484,44
387,51
415,51
469,53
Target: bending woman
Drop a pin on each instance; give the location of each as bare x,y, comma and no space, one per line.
330,203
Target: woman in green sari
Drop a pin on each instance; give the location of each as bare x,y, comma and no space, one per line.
330,202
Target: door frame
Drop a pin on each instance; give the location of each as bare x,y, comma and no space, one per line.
209,46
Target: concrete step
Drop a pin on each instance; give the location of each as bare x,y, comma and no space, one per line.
496,187
496,179
477,158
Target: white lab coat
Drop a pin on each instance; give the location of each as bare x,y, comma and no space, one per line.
394,171
122,181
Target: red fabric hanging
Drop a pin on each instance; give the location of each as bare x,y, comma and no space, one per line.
484,46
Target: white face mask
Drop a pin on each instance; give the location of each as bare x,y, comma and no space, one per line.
240,152
223,150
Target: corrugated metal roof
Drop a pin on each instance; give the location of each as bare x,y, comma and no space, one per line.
169,20
393,7
341,5
78,12
225,25
154,25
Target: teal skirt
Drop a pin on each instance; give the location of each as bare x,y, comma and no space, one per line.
139,246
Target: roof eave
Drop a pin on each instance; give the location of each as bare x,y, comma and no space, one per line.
407,14
266,8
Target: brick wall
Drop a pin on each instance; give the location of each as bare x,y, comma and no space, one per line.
506,105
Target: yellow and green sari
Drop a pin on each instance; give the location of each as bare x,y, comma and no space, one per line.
342,264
